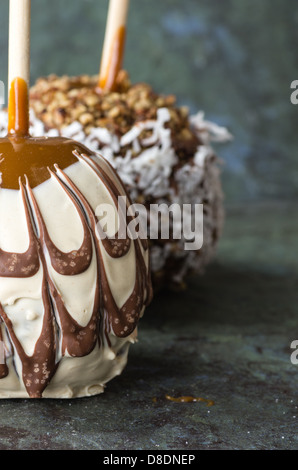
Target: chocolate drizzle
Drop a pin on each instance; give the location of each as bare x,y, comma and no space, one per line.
21,264
121,320
75,261
60,331
38,369
77,340
3,365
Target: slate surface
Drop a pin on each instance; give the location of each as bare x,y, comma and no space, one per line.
227,339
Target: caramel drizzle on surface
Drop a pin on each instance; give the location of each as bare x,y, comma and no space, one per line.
189,399
76,341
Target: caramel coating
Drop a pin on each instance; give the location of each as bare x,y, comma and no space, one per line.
32,157
22,155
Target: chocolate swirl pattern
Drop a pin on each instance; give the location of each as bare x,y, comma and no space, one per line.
70,300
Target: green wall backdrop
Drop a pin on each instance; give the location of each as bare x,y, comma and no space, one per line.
234,59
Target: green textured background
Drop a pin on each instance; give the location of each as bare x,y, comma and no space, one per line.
235,59
226,338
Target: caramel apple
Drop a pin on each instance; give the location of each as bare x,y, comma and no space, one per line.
71,291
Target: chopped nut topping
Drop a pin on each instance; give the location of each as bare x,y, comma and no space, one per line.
59,101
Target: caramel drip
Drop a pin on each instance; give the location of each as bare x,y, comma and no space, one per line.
18,108
189,399
21,264
33,157
108,81
3,366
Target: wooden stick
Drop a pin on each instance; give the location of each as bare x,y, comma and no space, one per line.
19,66
113,48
